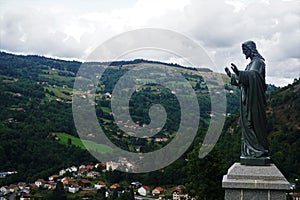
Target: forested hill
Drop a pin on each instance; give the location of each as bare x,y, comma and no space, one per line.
283,116
36,105
284,127
33,65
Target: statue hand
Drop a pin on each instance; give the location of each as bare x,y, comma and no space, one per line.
228,72
235,69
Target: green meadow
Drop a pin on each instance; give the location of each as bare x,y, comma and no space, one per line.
100,148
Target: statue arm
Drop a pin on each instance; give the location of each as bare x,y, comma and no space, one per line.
234,80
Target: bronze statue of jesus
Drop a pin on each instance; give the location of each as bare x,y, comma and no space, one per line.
251,81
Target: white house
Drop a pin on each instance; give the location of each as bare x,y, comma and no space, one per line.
144,190
178,196
40,182
74,169
107,94
21,185
73,189
92,174
136,184
4,190
100,185
12,188
62,172
111,165
53,177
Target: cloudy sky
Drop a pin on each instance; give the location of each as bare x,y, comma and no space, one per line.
71,29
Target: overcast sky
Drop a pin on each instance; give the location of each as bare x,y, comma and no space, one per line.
71,29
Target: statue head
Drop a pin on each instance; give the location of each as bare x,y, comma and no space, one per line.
250,51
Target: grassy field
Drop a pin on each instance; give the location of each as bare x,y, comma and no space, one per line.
56,77
59,92
100,148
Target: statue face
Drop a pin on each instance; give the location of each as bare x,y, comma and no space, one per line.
246,51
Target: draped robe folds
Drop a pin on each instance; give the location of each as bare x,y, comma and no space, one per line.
251,82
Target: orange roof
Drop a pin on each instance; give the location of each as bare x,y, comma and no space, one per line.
12,186
296,194
89,167
85,181
179,188
114,186
41,180
21,184
101,183
146,187
159,189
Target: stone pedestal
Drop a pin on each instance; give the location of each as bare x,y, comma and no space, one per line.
254,183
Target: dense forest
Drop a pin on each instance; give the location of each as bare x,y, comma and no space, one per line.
36,101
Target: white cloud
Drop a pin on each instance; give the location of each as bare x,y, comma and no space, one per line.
72,29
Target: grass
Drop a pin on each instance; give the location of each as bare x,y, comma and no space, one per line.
89,145
59,92
56,77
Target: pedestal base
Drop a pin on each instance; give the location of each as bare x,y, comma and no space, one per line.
254,183
265,161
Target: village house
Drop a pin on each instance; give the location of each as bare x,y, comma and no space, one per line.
25,193
82,171
157,191
66,180
62,172
136,184
92,174
179,196
107,94
40,182
115,186
21,185
101,165
89,167
13,188
50,185
178,193
73,188
73,169
100,185
4,190
144,190
112,165
296,196
69,182
161,139
53,177
25,197
84,183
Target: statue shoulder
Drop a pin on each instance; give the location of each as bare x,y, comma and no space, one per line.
258,65
258,61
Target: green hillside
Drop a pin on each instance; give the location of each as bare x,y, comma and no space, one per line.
71,140
36,101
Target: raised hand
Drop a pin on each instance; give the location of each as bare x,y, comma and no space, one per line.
235,69
228,72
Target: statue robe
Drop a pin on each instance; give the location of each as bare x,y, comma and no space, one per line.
251,82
